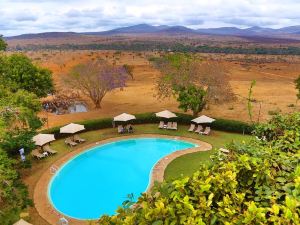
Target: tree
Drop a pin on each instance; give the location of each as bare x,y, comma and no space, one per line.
18,120
96,78
129,70
297,84
13,194
250,100
18,72
191,98
3,44
186,70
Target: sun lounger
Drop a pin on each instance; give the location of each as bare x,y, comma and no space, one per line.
69,142
161,125
174,126
206,131
169,126
78,139
129,128
199,129
120,129
47,148
35,153
192,128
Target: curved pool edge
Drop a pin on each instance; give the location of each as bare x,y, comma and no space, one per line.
51,215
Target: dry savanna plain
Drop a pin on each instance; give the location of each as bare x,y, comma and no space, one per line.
274,90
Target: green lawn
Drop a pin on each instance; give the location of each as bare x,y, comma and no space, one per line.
182,166
187,164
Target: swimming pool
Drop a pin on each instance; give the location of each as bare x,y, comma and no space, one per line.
97,181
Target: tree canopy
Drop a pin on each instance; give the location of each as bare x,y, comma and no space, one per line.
95,78
257,182
191,98
18,72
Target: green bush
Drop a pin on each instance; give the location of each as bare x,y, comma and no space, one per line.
232,126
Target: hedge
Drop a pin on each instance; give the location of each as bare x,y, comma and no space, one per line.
146,118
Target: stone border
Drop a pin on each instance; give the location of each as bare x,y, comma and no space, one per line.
40,195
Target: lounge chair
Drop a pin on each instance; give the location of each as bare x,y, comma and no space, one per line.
169,126
161,125
120,129
174,126
206,131
69,142
35,153
47,148
129,128
199,129
78,139
192,128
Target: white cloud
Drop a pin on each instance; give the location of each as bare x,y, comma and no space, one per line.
26,16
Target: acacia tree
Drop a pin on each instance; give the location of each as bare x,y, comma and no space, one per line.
96,78
183,72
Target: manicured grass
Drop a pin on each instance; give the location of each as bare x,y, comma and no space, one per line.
187,164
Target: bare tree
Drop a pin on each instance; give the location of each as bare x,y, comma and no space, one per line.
96,78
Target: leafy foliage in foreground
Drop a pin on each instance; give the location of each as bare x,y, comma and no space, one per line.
256,183
13,194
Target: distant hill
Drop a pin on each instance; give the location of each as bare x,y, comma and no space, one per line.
174,30
136,29
45,35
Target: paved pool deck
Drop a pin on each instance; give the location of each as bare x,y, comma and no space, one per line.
52,216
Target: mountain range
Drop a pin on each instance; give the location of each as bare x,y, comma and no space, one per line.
147,29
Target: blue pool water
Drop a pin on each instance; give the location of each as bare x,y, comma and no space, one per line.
97,181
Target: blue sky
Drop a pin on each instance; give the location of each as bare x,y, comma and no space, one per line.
33,16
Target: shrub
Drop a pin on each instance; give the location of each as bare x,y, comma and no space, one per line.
13,194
